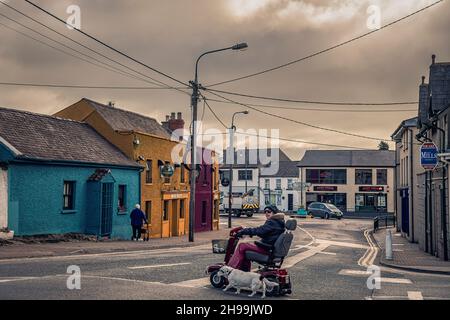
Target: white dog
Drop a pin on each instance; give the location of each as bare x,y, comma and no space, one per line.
245,280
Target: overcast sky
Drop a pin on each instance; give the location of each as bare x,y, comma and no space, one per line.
170,34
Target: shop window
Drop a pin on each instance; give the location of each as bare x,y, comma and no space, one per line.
266,199
267,184
326,176
69,195
149,172
182,209
166,211
363,176
182,174
382,177
122,198
204,203
148,211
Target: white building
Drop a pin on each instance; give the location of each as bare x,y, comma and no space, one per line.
278,189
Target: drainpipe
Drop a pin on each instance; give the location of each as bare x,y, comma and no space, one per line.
443,192
396,189
411,191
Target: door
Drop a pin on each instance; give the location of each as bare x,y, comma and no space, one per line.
3,198
107,209
174,222
405,211
290,202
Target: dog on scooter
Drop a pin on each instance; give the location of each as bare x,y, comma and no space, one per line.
245,280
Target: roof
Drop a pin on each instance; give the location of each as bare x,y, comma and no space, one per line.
252,157
124,120
408,123
42,137
287,169
348,158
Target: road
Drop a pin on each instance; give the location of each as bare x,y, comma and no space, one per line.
328,260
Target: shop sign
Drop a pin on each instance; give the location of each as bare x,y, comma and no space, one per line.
371,189
325,188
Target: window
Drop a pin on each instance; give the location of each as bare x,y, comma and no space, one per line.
205,175
267,184
166,211
203,212
278,184
182,174
289,184
326,176
244,175
381,177
266,199
122,198
182,209
278,199
68,195
149,172
363,176
148,211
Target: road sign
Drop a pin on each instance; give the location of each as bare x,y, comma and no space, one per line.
428,156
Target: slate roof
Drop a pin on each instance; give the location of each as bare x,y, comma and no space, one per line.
44,137
123,120
248,154
408,123
287,169
348,158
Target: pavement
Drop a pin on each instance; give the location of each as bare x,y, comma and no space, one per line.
408,256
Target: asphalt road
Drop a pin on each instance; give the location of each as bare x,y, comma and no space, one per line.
327,261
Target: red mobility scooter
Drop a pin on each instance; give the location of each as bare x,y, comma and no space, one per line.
269,264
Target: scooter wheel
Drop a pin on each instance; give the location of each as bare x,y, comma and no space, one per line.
216,281
273,291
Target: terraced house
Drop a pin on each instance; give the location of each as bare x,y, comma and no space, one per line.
164,199
59,176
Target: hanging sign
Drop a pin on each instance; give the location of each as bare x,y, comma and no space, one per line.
429,156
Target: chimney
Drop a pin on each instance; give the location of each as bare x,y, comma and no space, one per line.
423,80
172,116
433,59
167,118
111,104
179,116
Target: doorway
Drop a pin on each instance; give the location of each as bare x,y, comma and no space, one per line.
3,198
174,222
290,202
107,209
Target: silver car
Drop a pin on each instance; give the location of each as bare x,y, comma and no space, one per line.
324,210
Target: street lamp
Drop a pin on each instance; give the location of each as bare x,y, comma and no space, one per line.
194,101
230,159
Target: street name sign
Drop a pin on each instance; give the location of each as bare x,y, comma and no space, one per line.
429,156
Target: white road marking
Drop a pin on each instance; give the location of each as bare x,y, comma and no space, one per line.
396,280
327,253
415,295
398,244
16,279
293,260
194,283
349,272
160,265
342,244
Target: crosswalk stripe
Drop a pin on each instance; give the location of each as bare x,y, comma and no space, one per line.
415,295
159,265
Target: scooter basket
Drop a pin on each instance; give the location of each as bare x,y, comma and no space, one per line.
219,246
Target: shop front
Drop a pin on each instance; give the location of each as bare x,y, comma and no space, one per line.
327,194
174,218
371,199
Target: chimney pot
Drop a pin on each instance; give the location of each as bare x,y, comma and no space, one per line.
423,79
167,118
179,116
433,59
172,116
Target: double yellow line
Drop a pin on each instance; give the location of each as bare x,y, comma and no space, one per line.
371,253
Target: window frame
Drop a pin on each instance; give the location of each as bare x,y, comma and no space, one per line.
71,196
149,172
318,179
122,208
385,177
364,182
248,175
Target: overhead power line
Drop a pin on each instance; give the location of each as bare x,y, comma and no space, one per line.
316,102
292,140
327,49
158,82
214,114
16,84
107,45
297,121
319,109
100,63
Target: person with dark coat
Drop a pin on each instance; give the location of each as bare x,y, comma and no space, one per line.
268,232
137,221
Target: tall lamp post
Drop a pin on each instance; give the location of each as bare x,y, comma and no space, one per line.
194,101
230,159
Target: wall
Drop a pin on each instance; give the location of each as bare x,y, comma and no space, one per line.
36,199
3,198
351,189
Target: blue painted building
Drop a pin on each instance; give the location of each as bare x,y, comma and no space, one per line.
60,176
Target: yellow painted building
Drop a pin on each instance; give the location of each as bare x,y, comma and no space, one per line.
164,200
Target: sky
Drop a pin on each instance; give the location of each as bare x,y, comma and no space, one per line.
169,35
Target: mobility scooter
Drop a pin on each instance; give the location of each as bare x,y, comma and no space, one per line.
269,264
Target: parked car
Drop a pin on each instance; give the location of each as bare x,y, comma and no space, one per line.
324,210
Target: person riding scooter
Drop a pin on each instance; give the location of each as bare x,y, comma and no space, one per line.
268,232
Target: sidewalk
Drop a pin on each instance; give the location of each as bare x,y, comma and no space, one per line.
408,256
22,250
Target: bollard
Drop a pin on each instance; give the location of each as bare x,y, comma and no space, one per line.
389,245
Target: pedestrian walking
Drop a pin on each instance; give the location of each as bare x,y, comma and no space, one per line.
137,220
